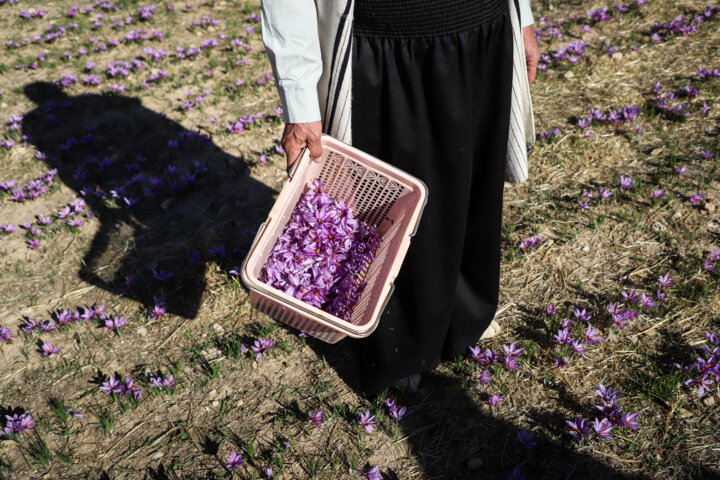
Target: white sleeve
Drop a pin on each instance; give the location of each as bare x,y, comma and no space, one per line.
290,36
526,16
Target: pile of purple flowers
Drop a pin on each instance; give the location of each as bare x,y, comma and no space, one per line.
707,370
597,195
530,243
550,135
394,410
160,382
710,264
683,25
321,253
31,190
705,73
243,123
612,416
114,386
489,357
18,423
592,334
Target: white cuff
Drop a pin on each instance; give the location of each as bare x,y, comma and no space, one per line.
299,105
526,16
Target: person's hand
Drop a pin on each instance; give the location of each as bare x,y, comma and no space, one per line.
532,52
299,135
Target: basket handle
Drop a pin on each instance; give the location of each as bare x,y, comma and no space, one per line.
297,162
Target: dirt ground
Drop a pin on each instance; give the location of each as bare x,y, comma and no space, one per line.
203,191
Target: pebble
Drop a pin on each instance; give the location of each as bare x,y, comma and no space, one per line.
142,331
158,454
709,401
218,328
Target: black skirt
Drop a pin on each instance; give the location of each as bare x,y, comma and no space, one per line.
431,86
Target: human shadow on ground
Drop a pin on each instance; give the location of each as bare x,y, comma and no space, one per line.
447,430
167,199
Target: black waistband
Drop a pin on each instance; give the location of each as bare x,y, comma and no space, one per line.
422,18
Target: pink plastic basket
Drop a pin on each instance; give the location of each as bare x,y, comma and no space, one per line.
378,194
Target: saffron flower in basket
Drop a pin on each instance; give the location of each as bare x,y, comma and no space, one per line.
322,253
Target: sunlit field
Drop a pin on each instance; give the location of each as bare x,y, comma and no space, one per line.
140,151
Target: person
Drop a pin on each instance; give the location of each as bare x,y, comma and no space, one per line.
440,89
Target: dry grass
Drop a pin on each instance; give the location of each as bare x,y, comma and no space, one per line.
227,401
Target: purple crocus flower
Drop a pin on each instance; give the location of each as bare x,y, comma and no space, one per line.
169,382
647,301
485,377
130,387
608,396
626,182
398,412
658,193
5,334
316,418
579,427
579,347
111,386
582,315
602,428
262,346
592,335
563,337
373,473
75,222
495,399
604,194
112,325
631,297
156,382
511,363
696,198
551,309
234,460
526,438
628,420
368,421
49,349
30,325
47,326
666,281
18,423
513,351
158,311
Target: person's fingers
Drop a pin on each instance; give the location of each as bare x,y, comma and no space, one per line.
532,52
290,144
299,135
314,144
532,71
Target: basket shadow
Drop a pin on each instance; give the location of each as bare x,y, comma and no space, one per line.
168,199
